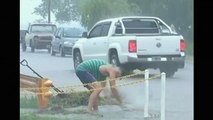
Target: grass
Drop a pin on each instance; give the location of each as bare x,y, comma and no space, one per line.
72,100
31,116
28,102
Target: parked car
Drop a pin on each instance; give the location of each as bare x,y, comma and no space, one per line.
64,39
39,36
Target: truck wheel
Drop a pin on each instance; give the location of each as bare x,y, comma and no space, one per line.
169,72
32,48
23,46
114,59
32,45
62,52
48,50
77,59
51,51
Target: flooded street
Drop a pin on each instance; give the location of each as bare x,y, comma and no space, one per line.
179,90
139,33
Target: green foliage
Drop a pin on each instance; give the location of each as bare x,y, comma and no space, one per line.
42,9
28,102
176,12
95,10
71,100
189,48
77,99
64,10
31,116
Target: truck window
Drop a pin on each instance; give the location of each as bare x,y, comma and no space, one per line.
60,32
43,28
105,29
118,30
72,32
140,26
57,32
163,28
96,32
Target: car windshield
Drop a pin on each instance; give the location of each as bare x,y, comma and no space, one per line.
43,28
72,32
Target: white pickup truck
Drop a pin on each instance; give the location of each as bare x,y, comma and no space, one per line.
133,42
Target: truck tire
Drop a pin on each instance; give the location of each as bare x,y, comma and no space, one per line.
32,45
52,53
169,71
23,46
32,48
62,54
77,59
114,59
48,50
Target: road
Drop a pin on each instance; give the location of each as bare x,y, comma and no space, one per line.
179,89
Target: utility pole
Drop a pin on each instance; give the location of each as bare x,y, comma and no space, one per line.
49,11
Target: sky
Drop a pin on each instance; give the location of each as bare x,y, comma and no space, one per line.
27,16
26,10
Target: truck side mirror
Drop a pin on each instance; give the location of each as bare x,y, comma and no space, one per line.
84,34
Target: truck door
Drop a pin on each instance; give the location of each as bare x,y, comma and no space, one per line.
97,43
57,41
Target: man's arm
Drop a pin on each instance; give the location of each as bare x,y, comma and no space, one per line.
112,83
111,73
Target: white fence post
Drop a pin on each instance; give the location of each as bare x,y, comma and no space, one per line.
146,103
163,92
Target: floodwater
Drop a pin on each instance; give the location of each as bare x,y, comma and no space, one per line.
132,109
179,90
106,112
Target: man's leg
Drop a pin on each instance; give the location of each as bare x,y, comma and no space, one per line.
93,99
91,89
115,92
87,77
95,107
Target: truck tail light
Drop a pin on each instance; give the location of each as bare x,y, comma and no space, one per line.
182,45
132,46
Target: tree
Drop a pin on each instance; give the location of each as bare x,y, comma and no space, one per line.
64,10
179,13
95,10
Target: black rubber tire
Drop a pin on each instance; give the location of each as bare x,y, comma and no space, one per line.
32,45
32,48
23,47
52,53
49,50
77,59
61,52
114,59
169,72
